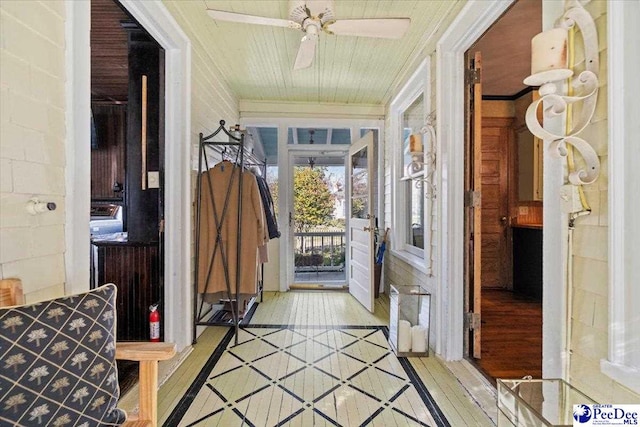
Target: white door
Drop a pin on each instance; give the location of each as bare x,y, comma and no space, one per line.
361,220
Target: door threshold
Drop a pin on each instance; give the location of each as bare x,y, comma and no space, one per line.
474,363
477,385
319,287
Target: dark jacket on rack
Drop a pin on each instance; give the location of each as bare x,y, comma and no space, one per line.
269,209
249,235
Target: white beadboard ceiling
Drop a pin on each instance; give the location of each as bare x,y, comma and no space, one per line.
257,61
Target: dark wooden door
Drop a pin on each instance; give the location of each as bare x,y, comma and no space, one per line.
496,254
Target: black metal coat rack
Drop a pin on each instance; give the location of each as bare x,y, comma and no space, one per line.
235,150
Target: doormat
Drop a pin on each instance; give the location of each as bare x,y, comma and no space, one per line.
307,375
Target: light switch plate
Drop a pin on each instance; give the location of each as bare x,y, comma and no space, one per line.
153,179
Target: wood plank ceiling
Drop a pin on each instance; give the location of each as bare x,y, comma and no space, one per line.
506,49
257,61
109,53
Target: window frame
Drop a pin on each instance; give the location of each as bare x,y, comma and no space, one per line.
623,200
417,85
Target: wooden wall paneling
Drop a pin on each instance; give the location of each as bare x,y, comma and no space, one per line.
108,157
135,270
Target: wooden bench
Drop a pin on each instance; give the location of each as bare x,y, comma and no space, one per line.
146,353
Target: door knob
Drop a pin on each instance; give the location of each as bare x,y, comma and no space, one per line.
503,219
368,229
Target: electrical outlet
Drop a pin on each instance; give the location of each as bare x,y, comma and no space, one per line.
153,179
523,210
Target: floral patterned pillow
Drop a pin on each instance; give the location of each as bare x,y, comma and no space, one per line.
57,362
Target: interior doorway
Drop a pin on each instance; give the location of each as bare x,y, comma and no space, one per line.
127,165
503,207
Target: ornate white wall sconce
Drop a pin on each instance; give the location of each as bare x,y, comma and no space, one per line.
421,159
549,69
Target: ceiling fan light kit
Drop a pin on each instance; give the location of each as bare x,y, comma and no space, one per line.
315,16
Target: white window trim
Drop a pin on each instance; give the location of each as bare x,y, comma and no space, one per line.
418,84
623,198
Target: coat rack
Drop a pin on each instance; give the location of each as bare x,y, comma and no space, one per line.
234,148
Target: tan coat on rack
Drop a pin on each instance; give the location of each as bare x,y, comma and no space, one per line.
254,233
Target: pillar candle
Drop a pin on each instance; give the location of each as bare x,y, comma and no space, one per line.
418,339
549,51
404,336
415,143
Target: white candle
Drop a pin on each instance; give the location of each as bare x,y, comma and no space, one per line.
549,51
418,339
404,336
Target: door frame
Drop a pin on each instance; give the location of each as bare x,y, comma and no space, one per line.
157,20
472,21
306,151
318,119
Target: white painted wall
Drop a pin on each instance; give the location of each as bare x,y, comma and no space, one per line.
32,144
272,268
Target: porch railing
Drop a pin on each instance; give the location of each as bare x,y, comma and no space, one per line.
320,250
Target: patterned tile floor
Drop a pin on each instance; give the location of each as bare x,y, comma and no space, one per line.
335,376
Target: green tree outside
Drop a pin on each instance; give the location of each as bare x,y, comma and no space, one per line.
313,201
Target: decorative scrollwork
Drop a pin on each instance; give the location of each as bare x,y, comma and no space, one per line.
585,87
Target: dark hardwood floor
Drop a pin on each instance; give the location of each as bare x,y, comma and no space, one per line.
511,335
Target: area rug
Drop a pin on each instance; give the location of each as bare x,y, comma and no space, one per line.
288,375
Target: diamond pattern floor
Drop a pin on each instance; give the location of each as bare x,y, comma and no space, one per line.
303,376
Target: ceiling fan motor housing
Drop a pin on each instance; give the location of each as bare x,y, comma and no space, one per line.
311,11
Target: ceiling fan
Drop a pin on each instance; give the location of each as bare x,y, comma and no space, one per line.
314,16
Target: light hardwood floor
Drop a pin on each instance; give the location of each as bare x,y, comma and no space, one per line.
336,308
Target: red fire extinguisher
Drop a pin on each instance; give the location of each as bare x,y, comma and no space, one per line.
154,323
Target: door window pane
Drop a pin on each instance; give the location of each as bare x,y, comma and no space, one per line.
359,184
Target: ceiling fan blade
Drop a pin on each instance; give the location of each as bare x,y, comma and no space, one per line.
251,19
386,28
306,52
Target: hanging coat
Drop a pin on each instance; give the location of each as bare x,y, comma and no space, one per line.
269,208
249,235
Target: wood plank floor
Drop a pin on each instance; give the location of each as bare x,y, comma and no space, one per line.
314,308
511,335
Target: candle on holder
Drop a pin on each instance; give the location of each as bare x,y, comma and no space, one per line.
549,51
415,143
549,57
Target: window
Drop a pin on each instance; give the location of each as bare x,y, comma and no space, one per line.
412,121
623,361
408,117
